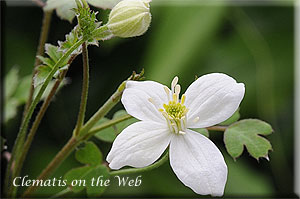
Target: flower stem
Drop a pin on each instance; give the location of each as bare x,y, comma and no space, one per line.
36,123
41,48
140,170
43,38
85,87
217,128
105,125
59,158
74,141
18,146
109,104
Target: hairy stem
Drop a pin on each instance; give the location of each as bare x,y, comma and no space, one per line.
36,123
43,38
40,52
140,170
74,141
18,146
85,88
109,104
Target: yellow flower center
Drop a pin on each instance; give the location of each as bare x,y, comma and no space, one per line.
175,111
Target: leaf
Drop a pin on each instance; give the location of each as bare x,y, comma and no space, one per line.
92,157
247,133
70,40
122,125
94,191
11,81
77,174
202,131
41,75
108,135
10,109
235,117
104,4
89,154
22,92
85,175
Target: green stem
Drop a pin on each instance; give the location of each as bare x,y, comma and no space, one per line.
105,125
140,170
109,104
85,88
68,148
43,38
36,123
18,146
40,52
53,165
217,128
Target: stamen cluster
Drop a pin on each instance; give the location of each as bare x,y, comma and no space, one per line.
175,111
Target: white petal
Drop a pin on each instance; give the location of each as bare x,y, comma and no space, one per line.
139,145
212,99
198,163
136,100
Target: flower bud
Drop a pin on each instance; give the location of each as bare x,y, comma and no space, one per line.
130,18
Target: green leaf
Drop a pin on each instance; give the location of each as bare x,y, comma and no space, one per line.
247,133
122,125
108,135
22,92
89,154
41,75
11,82
235,117
70,40
85,175
202,131
10,109
77,174
104,4
95,191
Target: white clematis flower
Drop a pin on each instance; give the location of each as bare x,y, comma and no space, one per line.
166,121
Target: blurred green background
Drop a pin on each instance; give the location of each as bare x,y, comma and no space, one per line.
253,44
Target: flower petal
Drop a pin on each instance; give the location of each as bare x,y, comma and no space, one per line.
139,145
136,100
198,163
212,99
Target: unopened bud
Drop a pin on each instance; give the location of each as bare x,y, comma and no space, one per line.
130,18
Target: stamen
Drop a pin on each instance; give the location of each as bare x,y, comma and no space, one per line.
175,97
161,110
174,83
183,99
177,89
167,90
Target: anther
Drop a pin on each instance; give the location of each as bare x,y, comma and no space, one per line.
174,83
183,99
177,89
175,97
167,90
